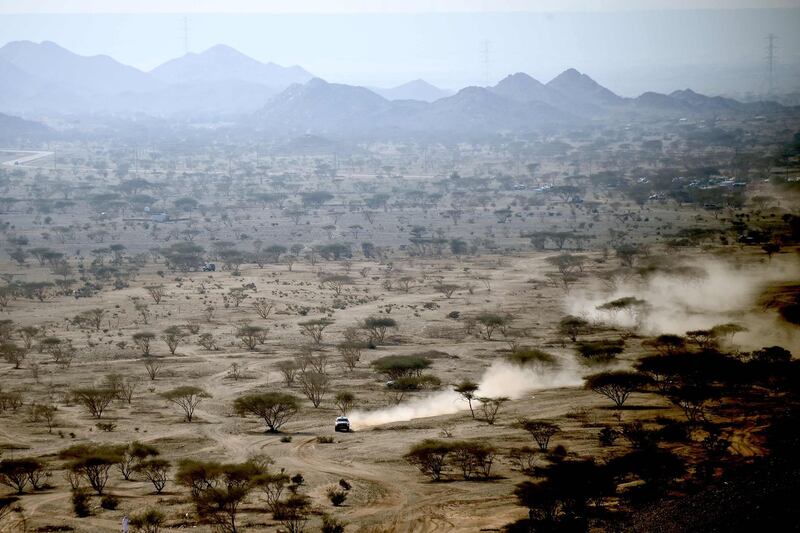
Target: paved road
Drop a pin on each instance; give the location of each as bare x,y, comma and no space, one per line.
29,157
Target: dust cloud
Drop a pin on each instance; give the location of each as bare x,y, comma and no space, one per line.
500,379
708,293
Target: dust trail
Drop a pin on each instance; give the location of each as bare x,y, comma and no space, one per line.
721,293
500,379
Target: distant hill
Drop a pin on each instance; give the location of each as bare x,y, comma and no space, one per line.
413,90
58,66
706,103
580,88
320,107
323,108
13,128
476,108
224,86
523,88
44,77
223,63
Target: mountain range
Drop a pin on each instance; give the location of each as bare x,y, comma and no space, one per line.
45,78
224,84
518,103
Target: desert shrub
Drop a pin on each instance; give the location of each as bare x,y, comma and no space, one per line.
639,436
673,430
293,513
395,367
81,501
601,351
560,501
331,524
608,436
109,502
149,521
525,356
658,468
337,496
413,383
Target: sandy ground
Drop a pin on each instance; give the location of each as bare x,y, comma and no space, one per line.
388,494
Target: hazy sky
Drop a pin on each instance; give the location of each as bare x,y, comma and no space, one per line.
669,45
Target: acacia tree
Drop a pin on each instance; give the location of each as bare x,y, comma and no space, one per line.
131,455
447,289
218,490
616,386
16,473
467,389
173,336
430,456
314,385
28,334
492,322
92,318
666,344
275,408
491,406
572,326
156,471
13,354
92,463
238,295
336,282
272,485
153,367
345,401
263,307
61,350
187,397
95,399
156,292
315,328
541,431
143,340
251,336
377,327
350,350
288,370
